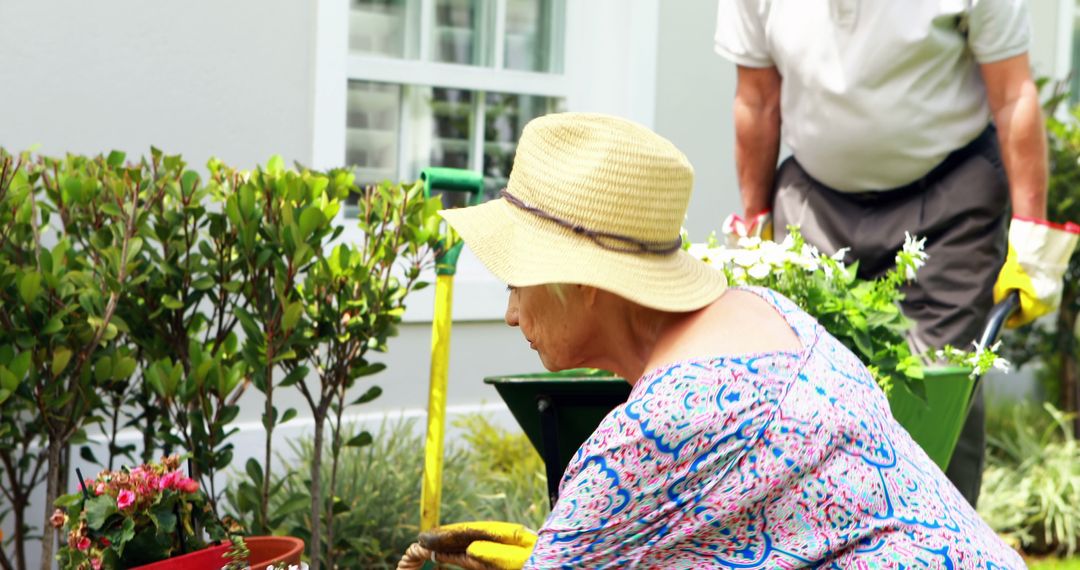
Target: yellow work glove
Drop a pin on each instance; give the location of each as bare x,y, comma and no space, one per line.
502,545
1039,253
759,226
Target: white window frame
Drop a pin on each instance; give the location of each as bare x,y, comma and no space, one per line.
479,296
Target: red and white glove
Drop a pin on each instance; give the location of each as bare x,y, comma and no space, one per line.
759,226
1039,253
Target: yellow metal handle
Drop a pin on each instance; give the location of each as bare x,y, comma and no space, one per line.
431,490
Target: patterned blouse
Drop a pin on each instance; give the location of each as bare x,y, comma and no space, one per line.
768,460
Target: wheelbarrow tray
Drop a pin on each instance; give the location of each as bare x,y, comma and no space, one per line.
558,411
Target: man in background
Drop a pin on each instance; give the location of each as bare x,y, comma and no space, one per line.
916,116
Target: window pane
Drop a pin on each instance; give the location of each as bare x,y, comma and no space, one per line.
451,127
372,130
461,31
505,116
378,27
532,39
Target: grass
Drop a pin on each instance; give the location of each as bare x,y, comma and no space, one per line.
1053,563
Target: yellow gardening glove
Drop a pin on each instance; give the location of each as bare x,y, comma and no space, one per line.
759,226
1039,253
500,544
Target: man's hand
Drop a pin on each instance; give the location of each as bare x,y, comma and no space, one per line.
759,226
1039,253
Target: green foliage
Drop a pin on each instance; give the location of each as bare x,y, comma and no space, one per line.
862,314
489,475
199,288
132,517
1031,484
70,233
1053,563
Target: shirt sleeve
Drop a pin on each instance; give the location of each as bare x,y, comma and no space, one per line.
740,33
998,29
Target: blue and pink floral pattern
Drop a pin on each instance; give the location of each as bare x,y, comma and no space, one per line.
772,460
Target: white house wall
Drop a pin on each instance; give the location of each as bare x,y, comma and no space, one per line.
201,77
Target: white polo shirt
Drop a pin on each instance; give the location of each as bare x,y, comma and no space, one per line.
875,93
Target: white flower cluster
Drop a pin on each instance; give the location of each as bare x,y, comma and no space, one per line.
912,256
982,361
756,259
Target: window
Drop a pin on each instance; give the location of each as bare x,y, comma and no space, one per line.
449,83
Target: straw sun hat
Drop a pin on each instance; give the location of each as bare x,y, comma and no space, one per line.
593,200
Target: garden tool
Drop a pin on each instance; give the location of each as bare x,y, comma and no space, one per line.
735,227
1039,253
458,188
481,545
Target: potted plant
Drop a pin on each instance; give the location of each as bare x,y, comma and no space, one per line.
154,517
132,517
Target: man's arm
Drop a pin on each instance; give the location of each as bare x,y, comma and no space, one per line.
1014,102
757,136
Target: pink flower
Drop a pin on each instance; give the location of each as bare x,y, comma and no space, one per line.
99,489
171,480
125,499
95,563
187,485
58,519
83,544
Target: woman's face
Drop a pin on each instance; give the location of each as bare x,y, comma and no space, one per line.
559,330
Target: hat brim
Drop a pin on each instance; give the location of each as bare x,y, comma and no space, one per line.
523,250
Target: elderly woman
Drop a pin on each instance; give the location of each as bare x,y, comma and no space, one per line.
751,438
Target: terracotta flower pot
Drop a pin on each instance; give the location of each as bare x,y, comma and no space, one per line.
265,550
209,558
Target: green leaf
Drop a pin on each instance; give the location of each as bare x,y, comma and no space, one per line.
98,509
254,471
52,327
166,519
8,380
276,165
203,283
103,369
30,287
311,219
369,369
171,302
364,438
292,315
134,247
294,504
188,181
372,393
123,367
65,501
116,158
20,365
288,415
60,360
87,454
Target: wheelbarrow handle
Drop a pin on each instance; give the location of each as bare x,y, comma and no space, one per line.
998,315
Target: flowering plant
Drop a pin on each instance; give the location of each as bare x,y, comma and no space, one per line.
863,314
130,517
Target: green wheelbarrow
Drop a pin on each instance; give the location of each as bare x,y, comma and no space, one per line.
558,411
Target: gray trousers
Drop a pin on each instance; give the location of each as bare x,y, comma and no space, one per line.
962,213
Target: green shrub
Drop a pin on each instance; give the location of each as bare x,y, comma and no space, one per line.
1031,485
491,474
